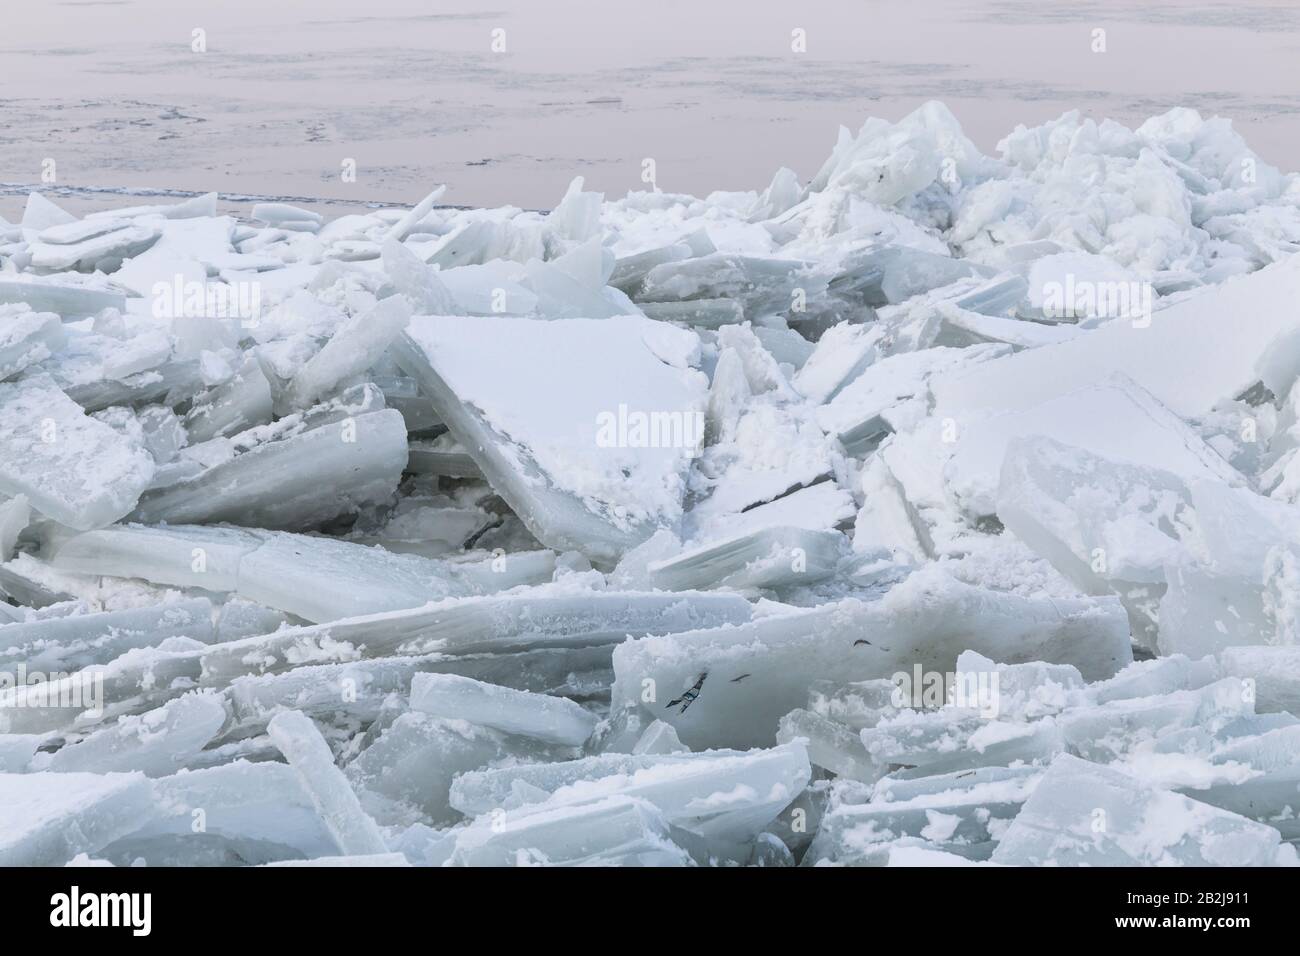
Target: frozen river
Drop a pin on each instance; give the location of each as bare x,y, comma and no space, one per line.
412,90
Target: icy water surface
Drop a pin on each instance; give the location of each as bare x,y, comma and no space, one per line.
285,93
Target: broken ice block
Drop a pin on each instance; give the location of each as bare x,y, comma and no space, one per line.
1274,671
831,746
770,557
313,577
613,831
49,818
1186,356
67,301
730,686
1109,731
1084,814
550,719
26,338
442,456
278,483
658,738
305,749
15,515
594,469
963,813
242,402
64,644
1152,437
414,761
726,797
472,625
156,743
356,344
1107,526
893,393
960,738
249,813
76,470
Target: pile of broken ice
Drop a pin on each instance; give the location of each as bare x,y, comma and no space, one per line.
945,509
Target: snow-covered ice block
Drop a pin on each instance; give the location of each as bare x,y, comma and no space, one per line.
1152,678
303,746
954,739
410,767
729,686
1150,436
72,468
49,818
892,394
1188,357
579,465
541,717
1084,814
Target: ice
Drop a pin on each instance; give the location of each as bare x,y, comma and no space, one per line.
1083,814
473,625
66,301
15,515
1152,437
50,818
1188,358
240,813
724,797
609,832
830,745
410,768
316,578
818,524
70,467
579,475
156,743
963,813
354,347
1273,671
27,337
767,558
359,459
553,720
729,686
63,644
305,749
658,738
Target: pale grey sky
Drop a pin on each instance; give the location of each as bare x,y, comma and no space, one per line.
410,89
